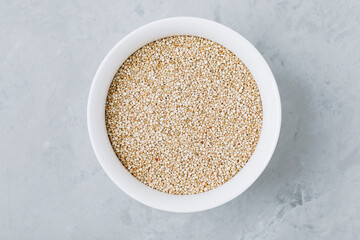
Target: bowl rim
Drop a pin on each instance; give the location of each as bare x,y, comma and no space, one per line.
268,91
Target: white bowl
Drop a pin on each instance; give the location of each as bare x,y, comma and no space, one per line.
270,102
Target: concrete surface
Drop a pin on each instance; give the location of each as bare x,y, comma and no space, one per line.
52,186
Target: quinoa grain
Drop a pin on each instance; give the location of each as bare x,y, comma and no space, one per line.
183,114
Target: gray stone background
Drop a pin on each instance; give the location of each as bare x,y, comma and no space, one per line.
51,185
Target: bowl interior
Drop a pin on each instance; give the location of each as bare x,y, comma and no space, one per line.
269,96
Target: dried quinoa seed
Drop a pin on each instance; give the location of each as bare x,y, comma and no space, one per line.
183,114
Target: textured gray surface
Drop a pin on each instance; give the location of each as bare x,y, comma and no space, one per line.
52,186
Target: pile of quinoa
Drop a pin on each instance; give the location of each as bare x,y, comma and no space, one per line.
183,114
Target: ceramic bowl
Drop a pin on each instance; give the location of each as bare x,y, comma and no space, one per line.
270,102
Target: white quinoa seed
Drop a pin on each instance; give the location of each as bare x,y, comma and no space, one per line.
183,114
